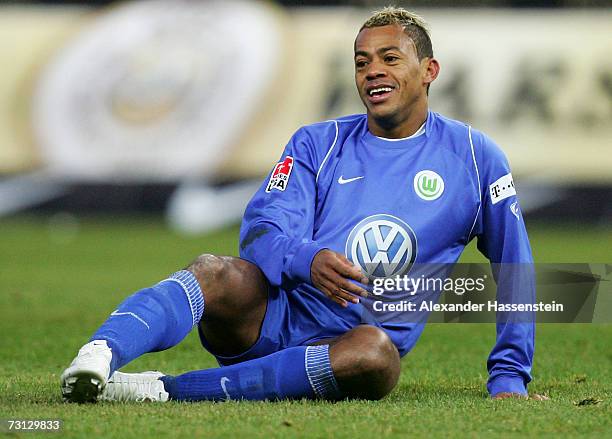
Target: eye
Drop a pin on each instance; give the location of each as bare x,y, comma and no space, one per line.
391,58
360,63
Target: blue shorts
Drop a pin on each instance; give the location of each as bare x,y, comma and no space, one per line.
298,317
303,316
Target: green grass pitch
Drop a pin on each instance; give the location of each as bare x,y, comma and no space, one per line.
57,286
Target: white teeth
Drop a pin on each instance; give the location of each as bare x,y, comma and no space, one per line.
379,90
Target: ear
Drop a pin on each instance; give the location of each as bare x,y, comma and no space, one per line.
431,69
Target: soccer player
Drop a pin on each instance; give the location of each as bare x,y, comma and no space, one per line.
351,200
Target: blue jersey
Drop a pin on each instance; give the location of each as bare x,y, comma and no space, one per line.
418,200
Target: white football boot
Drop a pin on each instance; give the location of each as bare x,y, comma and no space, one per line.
88,373
139,387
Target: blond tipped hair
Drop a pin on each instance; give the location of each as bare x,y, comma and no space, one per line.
414,26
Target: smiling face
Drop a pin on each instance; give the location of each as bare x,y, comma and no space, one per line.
391,81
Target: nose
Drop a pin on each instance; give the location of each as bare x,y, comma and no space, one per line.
375,70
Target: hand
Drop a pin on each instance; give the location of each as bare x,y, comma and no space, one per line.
330,273
506,395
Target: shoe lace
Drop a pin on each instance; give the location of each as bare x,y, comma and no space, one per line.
125,389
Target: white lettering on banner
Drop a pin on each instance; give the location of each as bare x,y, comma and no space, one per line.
502,189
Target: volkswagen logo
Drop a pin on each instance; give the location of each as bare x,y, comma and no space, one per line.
382,246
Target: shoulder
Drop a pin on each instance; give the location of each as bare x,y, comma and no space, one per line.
486,149
446,123
452,136
338,124
322,135
314,142
482,150
483,146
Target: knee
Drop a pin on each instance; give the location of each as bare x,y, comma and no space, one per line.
379,363
229,284
209,269
225,271
376,362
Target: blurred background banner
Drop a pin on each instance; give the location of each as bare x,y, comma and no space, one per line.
156,90
181,96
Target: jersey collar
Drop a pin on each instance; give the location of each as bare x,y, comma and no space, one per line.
419,136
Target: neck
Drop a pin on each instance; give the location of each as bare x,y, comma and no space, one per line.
394,129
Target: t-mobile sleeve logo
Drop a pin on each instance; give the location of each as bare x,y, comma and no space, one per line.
502,189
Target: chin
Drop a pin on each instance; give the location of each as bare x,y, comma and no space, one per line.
384,118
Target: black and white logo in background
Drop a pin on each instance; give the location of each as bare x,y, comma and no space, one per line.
382,246
132,98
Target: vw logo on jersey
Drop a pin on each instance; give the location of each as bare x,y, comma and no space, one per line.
382,246
428,185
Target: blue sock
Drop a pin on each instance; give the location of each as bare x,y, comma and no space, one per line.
298,372
153,319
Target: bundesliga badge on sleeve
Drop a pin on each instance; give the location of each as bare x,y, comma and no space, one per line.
280,176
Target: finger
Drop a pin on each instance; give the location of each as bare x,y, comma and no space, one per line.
339,292
350,287
327,290
357,274
343,303
342,287
339,300
346,296
347,269
336,291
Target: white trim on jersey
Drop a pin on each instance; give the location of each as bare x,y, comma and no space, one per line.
477,179
418,132
328,152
